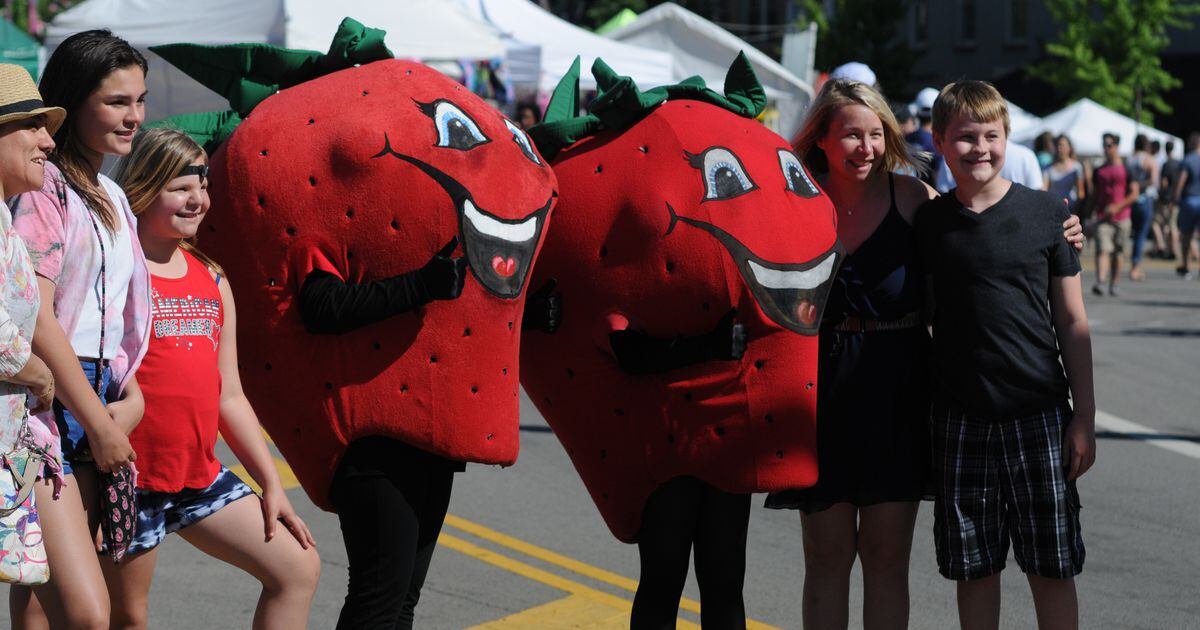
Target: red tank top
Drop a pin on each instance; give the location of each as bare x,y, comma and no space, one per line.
181,383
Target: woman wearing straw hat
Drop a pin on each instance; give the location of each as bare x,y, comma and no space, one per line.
25,129
93,321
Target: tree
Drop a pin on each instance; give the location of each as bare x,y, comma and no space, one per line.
1108,51
601,11
866,31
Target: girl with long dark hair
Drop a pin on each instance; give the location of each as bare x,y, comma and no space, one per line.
94,315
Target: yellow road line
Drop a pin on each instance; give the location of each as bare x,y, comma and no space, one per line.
570,564
584,592
574,612
287,478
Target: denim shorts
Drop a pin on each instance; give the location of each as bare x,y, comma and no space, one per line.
74,439
1189,214
162,513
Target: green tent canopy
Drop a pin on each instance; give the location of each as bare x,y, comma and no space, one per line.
17,47
626,16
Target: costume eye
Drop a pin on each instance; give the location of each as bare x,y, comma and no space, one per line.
455,129
523,140
724,175
797,178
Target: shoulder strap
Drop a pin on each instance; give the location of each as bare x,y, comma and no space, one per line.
25,482
892,191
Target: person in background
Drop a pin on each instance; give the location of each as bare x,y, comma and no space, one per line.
528,114
1043,147
93,323
922,137
1187,191
855,71
1166,216
1143,172
1020,166
1111,202
1064,177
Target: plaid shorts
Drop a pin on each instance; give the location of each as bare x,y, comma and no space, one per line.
161,513
1002,479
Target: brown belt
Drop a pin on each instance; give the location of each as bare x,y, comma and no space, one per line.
859,324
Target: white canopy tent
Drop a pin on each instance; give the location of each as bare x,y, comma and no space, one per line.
702,48
423,29
523,24
1085,122
1020,120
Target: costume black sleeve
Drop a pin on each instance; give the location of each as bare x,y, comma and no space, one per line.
329,305
638,353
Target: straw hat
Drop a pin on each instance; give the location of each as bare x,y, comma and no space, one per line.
19,99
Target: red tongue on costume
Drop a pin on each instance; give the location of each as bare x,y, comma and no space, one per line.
807,313
504,267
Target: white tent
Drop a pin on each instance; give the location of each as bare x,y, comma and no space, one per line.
423,29
1019,120
524,23
1085,122
702,48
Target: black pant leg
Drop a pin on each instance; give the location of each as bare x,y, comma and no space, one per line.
380,530
721,559
431,513
665,548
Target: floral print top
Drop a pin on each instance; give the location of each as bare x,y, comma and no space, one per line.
18,314
55,220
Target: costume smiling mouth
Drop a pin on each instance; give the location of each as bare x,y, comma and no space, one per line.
793,295
499,251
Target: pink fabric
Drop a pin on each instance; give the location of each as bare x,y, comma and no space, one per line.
1111,183
18,316
50,230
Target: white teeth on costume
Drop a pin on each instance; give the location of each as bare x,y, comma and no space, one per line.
803,280
511,232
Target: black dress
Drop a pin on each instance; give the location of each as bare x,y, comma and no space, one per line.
873,389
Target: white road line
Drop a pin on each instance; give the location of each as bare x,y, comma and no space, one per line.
1109,422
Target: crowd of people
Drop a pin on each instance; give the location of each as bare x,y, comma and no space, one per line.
126,357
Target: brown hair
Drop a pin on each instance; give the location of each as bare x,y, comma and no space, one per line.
979,101
77,67
839,93
157,157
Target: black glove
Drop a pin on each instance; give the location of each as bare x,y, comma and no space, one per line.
638,353
543,310
443,276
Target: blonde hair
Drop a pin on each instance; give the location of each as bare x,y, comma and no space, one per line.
839,93
979,101
156,157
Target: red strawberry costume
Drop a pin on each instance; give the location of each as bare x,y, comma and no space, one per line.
378,359
364,174
675,207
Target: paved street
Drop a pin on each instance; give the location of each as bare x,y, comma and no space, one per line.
524,547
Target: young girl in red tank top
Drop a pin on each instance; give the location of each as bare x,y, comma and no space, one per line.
192,389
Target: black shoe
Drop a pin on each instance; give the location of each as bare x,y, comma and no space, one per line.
1183,272
1097,291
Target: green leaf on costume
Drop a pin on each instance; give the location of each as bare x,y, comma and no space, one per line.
208,129
619,103
247,74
